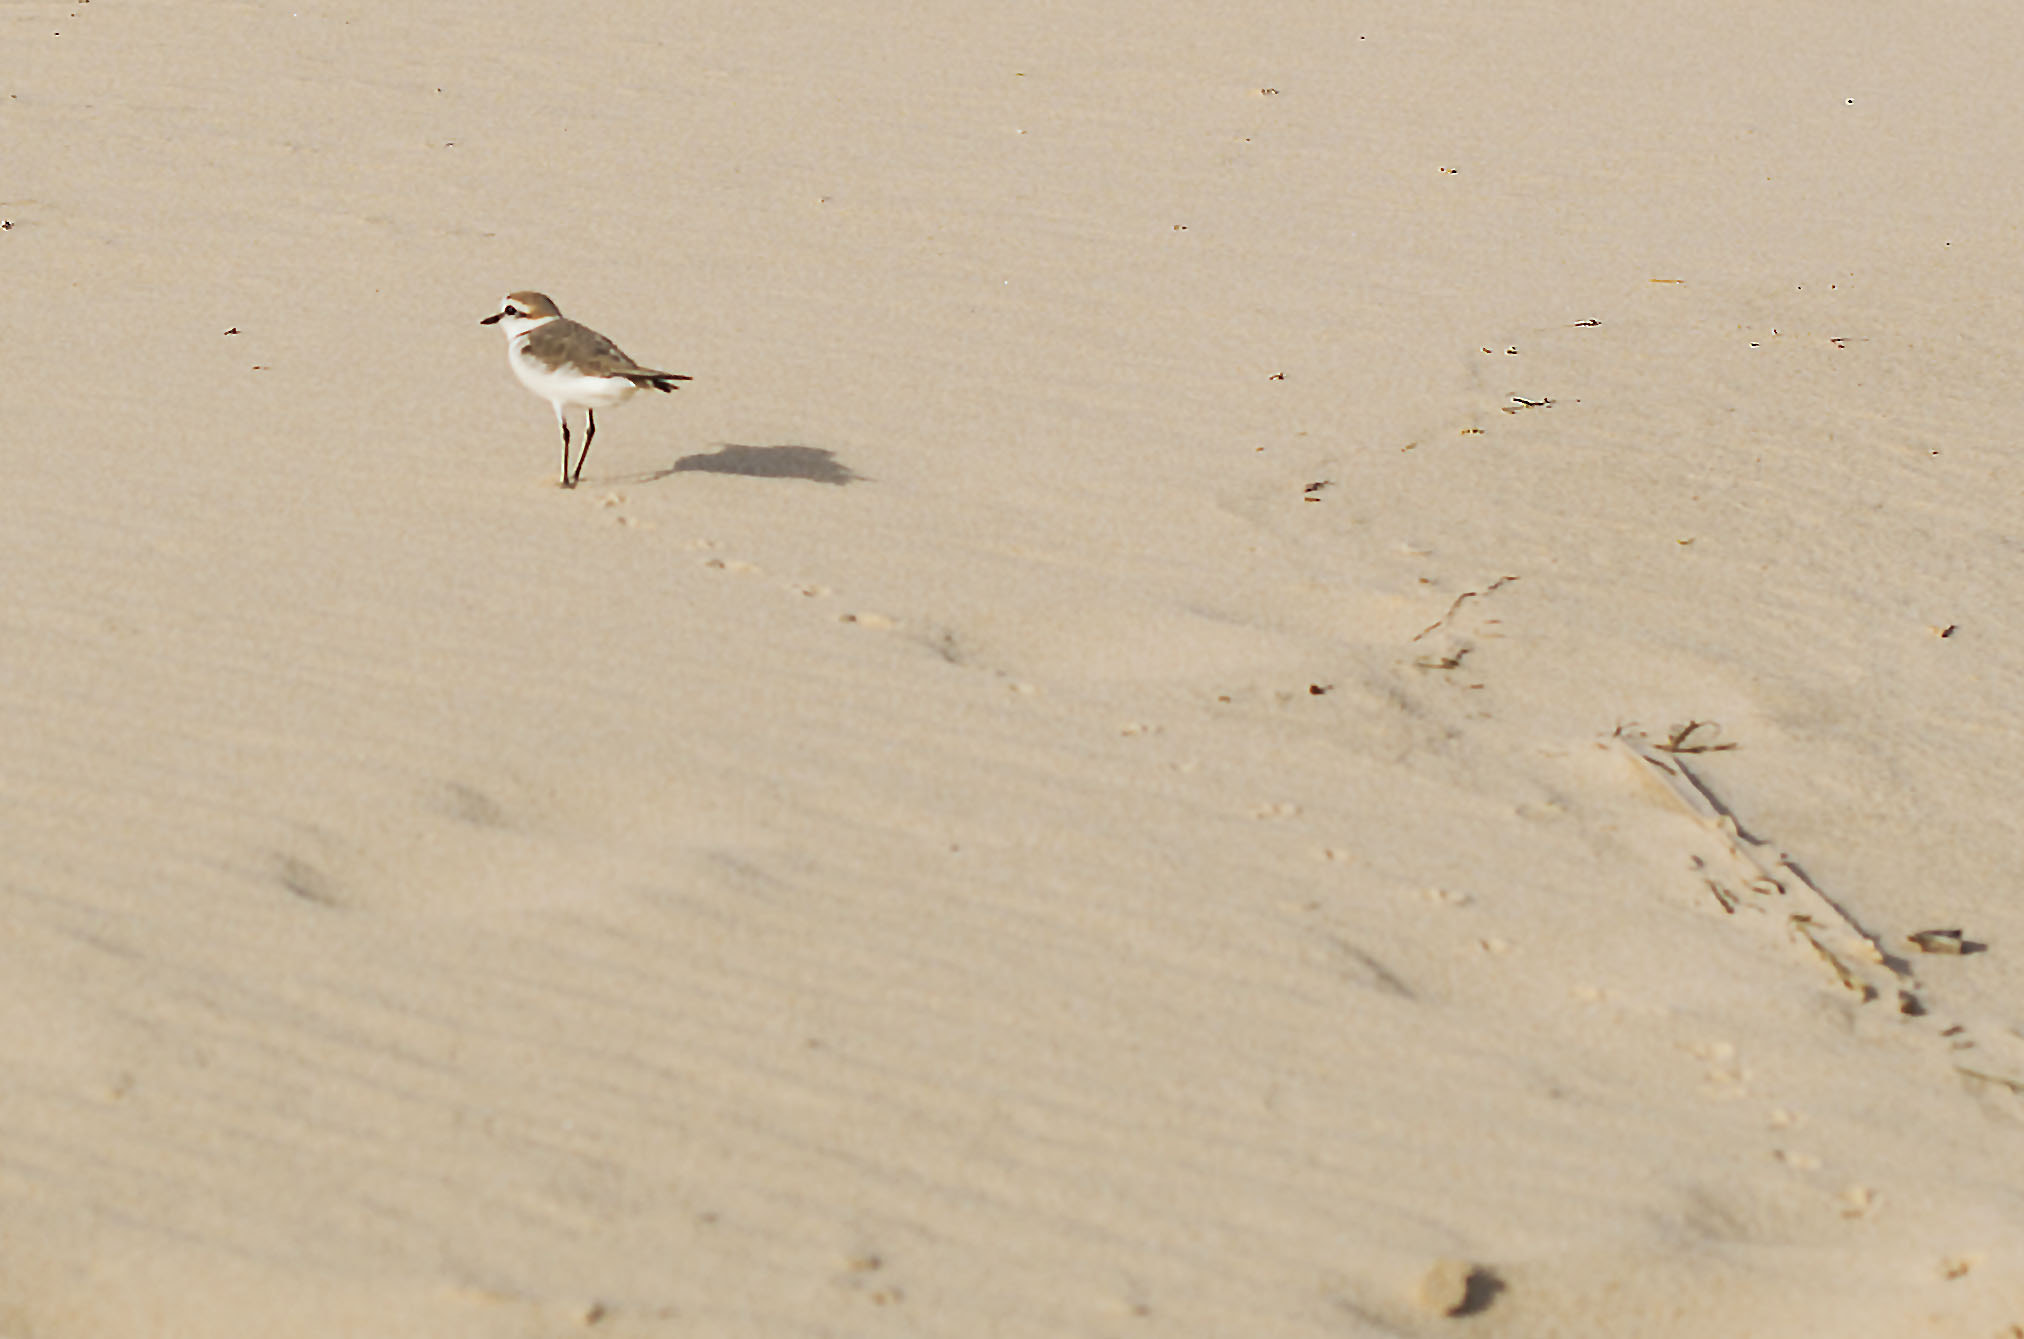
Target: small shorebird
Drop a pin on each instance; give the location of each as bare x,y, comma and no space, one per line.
570,365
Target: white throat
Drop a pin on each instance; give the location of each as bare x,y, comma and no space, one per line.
516,326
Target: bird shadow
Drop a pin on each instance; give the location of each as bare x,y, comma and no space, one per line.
813,463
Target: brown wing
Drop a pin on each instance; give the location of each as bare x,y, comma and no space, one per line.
564,341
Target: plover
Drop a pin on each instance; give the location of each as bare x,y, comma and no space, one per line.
570,366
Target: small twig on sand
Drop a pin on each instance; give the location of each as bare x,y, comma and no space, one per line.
1459,599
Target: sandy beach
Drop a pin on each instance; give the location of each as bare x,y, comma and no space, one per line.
1297,671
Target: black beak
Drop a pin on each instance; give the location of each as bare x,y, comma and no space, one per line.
490,319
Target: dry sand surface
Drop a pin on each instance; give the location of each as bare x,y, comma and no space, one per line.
1069,784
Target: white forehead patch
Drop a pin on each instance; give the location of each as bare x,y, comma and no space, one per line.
528,305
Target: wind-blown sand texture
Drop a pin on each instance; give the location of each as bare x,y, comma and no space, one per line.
1292,668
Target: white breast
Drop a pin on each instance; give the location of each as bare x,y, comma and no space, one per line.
565,386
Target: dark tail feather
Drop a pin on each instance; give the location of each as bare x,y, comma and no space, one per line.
660,381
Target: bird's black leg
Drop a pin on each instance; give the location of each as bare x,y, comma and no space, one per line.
566,483
589,431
